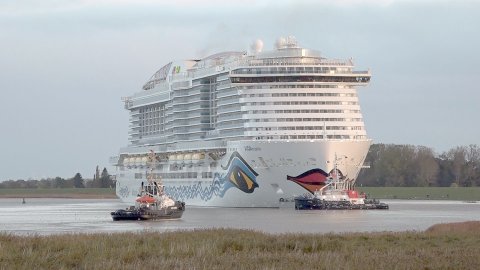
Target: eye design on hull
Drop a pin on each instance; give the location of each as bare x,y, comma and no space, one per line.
241,180
311,180
240,174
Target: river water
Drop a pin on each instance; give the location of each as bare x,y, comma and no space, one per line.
57,216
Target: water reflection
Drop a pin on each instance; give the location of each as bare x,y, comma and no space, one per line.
53,216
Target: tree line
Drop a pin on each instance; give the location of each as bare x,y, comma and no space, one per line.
391,165
394,165
100,180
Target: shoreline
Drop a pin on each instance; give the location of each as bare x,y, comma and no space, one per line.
67,193
442,246
57,196
113,196
468,194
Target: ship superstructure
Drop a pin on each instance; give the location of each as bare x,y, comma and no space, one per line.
241,129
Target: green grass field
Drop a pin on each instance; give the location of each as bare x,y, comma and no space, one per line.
418,193
444,247
424,193
58,193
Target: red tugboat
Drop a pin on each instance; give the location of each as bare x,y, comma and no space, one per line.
336,194
152,202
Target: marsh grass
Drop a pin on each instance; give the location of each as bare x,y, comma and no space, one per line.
467,226
245,249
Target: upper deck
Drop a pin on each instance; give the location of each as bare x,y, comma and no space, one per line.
289,93
287,58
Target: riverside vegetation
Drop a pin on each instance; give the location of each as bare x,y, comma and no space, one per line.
396,172
391,165
74,193
394,165
100,180
404,193
444,246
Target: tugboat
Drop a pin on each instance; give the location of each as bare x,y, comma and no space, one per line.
336,195
327,202
152,202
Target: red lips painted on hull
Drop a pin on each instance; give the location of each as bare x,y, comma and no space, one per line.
311,180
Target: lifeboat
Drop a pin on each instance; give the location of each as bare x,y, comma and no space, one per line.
197,157
145,199
187,158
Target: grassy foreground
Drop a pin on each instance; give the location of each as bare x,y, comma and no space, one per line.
76,193
424,193
451,246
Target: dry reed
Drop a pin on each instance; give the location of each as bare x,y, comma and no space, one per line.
245,249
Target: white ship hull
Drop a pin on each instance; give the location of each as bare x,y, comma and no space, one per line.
253,173
238,129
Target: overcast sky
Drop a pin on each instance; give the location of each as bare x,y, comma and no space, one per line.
64,66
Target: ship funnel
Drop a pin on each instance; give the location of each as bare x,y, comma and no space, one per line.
257,46
280,43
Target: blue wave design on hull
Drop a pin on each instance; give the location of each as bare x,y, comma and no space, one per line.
238,174
185,192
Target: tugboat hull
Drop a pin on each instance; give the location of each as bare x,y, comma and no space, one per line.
122,214
305,203
173,212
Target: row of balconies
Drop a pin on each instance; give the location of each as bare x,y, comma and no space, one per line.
299,108
307,125
204,125
296,71
336,78
302,133
231,108
229,117
227,93
299,61
298,101
179,109
303,86
189,117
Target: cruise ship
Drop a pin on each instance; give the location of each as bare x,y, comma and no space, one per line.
246,129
